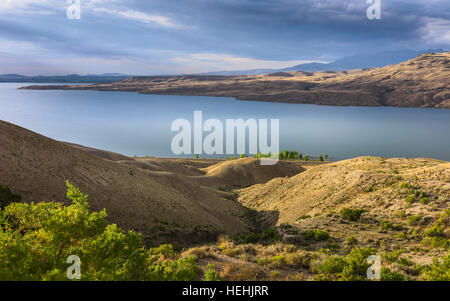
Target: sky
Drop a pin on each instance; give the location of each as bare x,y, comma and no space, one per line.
150,37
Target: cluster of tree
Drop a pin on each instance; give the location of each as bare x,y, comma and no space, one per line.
290,155
36,241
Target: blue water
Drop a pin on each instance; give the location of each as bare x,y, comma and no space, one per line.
134,124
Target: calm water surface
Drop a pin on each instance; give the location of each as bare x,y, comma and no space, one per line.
134,124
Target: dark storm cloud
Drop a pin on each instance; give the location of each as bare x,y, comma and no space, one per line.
171,32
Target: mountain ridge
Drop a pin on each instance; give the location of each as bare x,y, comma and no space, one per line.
420,82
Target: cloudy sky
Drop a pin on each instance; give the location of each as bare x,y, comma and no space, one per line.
187,36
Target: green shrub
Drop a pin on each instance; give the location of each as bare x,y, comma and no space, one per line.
406,185
211,274
351,240
50,232
437,230
438,270
332,265
267,237
425,200
351,214
436,242
316,235
388,275
163,250
414,220
278,261
410,199
401,235
352,267
387,225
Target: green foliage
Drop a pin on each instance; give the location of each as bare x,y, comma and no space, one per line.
37,239
388,275
211,274
352,267
7,197
410,199
267,237
387,225
196,156
321,158
435,235
353,215
425,200
438,270
351,240
414,219
406,185
316,235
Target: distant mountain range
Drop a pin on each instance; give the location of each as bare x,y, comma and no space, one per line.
360,61
71,78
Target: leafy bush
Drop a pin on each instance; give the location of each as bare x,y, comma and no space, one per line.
388,275
414,219
316,235
438,270
387,225
406,185
353,215
352,267
278,261
7,197
37,239
425,200
351,240
410,199
211,274
435,236
267,237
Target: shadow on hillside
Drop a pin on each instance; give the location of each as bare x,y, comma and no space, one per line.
257,221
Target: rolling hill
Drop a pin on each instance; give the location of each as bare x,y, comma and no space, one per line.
154,197
420,82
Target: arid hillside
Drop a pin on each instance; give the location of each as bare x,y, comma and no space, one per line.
152,196
370,183
420,82
332,216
